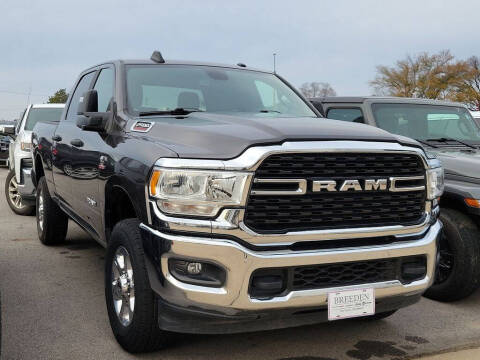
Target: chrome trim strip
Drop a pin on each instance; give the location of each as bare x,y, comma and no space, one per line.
251,158
302,187
394,188
230,223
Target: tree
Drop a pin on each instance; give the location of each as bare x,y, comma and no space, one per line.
423,76
60,97
467,90
317,89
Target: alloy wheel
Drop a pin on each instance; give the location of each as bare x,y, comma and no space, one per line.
123,287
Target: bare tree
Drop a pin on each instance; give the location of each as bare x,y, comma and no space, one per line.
467,89
423,76
317,89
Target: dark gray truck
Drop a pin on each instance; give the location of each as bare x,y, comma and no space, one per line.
448,131
226,204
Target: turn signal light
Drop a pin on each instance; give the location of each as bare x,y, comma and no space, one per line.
473,202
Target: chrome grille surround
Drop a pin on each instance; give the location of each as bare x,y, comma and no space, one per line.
229,222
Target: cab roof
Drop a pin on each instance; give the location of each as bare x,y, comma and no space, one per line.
384,99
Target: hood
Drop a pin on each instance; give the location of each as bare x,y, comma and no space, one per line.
459,163
224,136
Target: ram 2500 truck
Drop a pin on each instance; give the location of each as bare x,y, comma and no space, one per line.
447,131
226,204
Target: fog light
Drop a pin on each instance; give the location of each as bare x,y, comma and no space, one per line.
194,268
197,273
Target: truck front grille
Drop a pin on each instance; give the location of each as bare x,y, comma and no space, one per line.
325,276
335,210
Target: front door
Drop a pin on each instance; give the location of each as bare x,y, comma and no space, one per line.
89,151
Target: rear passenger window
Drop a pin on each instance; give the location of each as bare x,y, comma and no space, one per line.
346,114
82,86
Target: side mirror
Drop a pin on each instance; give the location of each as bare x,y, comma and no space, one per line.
7,130
89,119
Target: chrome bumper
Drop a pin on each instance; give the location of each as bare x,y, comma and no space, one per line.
26,189
240,262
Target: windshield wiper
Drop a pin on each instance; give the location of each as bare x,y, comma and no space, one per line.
426,143
269,111
177,111
445,139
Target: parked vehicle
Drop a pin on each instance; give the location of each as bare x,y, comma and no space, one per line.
448,131
227,205
4,145
19,189
476,116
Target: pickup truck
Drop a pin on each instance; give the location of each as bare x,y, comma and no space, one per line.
227,205
447,131
19,189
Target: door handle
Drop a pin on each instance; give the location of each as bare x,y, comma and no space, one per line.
56,138
77,142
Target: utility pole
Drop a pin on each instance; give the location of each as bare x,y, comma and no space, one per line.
274,63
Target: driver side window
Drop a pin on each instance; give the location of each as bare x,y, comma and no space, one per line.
83,85
104,87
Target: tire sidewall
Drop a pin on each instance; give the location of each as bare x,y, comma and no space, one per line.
42,192
26,210
121,238
463,237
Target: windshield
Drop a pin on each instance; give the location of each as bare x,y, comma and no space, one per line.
152,88
42,114
424,122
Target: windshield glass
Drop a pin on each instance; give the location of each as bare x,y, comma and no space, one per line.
425,122
42,114
212,89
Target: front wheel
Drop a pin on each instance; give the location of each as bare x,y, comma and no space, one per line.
14,199
131,303
458,266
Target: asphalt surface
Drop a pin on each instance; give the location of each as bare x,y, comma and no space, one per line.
53,307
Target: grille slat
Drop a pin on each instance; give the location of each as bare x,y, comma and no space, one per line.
344,274
331,210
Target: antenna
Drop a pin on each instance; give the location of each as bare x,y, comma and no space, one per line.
274,63
157,57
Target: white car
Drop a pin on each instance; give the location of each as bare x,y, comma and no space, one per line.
19,188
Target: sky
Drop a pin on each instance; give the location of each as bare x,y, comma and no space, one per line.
45,44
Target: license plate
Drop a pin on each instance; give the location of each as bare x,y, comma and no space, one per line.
351,303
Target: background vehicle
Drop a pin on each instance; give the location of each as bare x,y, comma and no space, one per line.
226,205
4,145
476,116
19,189
448,131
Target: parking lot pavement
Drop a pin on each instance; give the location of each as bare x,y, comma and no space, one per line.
53,308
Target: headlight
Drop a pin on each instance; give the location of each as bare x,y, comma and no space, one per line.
26,146
435,183
196,192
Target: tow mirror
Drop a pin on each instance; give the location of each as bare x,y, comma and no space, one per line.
89,119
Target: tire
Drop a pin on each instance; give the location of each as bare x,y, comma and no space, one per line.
14,199
52,222
138,332
458,268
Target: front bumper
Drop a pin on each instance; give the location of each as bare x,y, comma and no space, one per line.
26,187
192,308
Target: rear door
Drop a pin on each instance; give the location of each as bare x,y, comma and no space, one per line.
62,155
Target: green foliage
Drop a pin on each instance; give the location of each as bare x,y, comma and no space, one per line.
60,97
